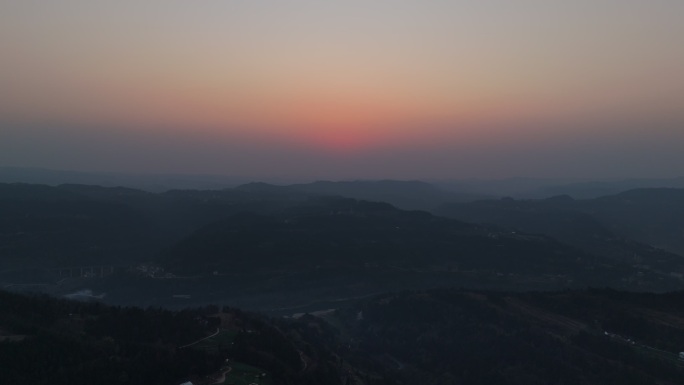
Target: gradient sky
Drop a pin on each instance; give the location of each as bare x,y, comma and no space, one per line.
345,89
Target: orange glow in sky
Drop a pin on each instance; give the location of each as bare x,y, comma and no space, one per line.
345,77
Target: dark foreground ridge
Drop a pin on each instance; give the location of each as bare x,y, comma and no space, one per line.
441,336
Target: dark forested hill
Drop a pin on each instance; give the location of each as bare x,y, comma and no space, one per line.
343,247
345,232
48,341
451,336
641,227
43,226
72,225
651,216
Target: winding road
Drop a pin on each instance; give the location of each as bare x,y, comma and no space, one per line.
222,379
199,340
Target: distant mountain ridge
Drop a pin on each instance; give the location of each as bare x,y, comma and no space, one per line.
411,195
541,188
596,189
148,182
263,244
370,189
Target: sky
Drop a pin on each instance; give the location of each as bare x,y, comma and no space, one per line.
354,89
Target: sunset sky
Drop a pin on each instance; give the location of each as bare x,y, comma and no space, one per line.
345,89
